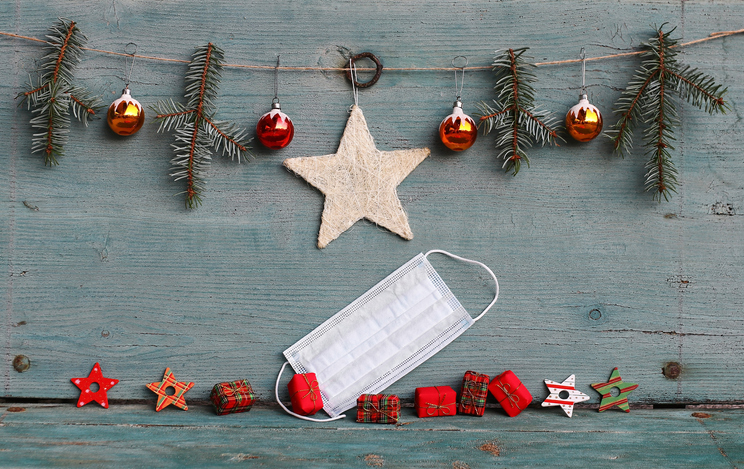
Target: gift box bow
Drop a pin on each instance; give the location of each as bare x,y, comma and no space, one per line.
509,395
440,408
387,405
312,390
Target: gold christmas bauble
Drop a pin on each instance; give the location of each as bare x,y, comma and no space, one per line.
125,115
584,121
458,130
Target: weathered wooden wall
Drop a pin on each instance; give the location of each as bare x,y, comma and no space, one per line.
112,268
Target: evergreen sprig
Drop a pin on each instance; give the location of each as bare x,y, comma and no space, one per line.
52,96
196,130
518,122
649,99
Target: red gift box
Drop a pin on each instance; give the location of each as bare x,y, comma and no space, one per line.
232,397
435,401
474,393
305,394
378,408
510,392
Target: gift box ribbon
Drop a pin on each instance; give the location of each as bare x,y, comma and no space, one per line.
434,409
510,395
374,409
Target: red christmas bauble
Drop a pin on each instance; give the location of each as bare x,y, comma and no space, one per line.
458,130
275,129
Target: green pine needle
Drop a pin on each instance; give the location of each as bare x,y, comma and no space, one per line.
515,118
650,99
52,96
196,131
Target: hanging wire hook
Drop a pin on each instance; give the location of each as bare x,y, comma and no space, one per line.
458,93
354,89
276,82
132,54
582,56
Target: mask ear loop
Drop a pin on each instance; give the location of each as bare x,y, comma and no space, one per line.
470,261
276,392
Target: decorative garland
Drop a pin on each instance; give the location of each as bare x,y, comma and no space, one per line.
519,122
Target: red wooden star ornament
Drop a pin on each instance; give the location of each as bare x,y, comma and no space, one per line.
164,400
104,384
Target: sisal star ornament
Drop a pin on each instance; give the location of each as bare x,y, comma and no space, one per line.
164,400
104,384
567,403
359,181
608,400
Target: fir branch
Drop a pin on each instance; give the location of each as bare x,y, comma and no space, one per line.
53,96
649,99
196,130
514,117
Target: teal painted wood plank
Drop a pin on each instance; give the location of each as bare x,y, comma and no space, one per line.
62,435
114,269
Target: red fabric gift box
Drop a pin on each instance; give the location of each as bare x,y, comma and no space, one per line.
378,408
435,401
305,394
474,393
232,397
510,392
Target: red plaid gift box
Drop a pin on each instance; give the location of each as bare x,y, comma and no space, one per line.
378,408
510,392
474,393
232,397
435,401
305,394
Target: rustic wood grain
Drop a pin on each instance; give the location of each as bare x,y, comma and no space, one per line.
58,436
112,268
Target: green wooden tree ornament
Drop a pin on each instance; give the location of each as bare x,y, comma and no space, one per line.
650,98
197,131
53,95
515,118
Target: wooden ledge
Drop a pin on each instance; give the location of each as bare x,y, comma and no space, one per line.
56,435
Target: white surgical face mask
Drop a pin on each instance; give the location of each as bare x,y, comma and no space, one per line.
383,335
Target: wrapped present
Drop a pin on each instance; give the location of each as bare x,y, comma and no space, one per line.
474,393
510,392
232,397
305,394
435,401
378,408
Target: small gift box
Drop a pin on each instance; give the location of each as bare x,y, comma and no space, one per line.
435,401
305,394
232,397
378,408
510,392
474,393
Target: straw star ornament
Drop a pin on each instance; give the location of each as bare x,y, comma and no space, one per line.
359,181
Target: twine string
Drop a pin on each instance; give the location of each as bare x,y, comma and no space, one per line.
370,406
434,409
711,36
510,395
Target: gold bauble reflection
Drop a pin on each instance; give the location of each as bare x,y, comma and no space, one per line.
125,115
584,121
458,130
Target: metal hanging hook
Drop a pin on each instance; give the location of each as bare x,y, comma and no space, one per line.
353,74
582,56
458,93
276,81
131,54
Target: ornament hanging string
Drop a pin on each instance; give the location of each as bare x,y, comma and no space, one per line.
582,56
458,93
131,68
276,81
714,35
